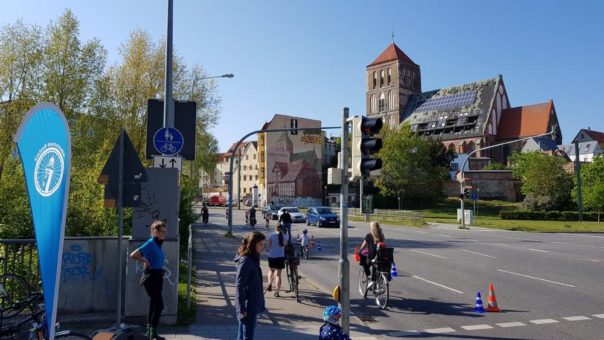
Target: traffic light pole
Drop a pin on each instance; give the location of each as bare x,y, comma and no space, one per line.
344,265
465,162
168,103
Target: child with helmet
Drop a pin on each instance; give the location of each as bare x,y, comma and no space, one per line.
331,329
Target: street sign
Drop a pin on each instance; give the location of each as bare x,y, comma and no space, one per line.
167,162
168,141
367,204
185,121
474,195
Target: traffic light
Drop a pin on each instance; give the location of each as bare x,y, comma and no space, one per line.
363,145
466,193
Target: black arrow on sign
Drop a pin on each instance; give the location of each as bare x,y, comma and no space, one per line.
173,161
163,163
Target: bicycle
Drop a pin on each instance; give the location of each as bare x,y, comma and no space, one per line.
13,290
292,262
380,281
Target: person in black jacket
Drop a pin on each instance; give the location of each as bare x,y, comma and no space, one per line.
249,297
286,221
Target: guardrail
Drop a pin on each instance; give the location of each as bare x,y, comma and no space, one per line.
20,257
409,217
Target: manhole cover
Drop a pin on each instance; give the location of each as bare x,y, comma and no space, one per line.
366,318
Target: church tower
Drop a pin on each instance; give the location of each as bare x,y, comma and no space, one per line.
391,79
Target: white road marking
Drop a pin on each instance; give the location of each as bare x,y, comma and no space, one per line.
473,252
592,260
511,324
440,330
543,321
576,318
421,252
539,250
476,327
438,284
599,316
513,238
445,235
537,278
582,235
421,232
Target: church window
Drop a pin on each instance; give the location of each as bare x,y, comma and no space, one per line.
374,79
382,102
389,76
381,78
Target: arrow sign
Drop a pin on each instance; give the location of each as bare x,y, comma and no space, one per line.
174,162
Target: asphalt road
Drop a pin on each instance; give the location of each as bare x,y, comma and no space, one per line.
550,286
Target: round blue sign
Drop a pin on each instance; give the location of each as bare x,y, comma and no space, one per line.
168,141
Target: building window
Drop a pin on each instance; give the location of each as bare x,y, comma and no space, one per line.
374,79
256,166
246,157
262,156
244,190
372,104
254,156
389,76
382,102
256,177
381,78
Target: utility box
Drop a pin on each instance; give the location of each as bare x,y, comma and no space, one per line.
469,216
334,176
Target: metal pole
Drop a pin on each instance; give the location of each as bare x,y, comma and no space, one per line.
239,181
578,173
361,195
168,103
463,220
120,214
343,263
189,259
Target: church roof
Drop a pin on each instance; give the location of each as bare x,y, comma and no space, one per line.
454,112
392,52
525,121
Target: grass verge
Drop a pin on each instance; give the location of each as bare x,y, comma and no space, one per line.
185,316
528,225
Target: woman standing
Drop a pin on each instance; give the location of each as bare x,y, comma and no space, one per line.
151,254
276,257
369,245
248,295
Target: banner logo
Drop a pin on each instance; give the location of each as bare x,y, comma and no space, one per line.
49,169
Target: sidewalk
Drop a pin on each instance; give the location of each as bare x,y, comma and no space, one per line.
285,318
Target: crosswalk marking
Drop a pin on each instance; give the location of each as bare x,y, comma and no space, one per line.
576,318
544,321
476,327
511,324
440,330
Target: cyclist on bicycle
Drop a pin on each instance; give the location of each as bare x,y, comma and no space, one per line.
368,248
304,241
331,330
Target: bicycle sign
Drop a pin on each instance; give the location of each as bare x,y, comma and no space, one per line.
168,141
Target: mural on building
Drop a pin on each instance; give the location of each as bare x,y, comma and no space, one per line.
293,164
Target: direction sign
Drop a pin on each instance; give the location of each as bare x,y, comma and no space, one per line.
474,195
167,162
168,141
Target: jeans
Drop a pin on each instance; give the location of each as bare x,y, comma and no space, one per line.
247,326
288,229
153,286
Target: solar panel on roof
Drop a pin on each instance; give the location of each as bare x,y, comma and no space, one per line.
447,102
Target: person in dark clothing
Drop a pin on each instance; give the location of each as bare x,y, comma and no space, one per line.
368,247
331,329
252,213
249,297
286,221
151,254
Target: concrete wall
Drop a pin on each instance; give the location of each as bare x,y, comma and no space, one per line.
493,184
89,274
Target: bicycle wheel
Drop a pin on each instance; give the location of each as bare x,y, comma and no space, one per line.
363,282
13,289
296,280
67,334
381,291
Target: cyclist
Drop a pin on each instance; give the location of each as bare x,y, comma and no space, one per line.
252,216
368,248
304,241
331,329
286,220
205,214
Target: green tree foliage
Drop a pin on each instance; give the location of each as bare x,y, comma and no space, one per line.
54,65
545,184
414,167
496,166
592,185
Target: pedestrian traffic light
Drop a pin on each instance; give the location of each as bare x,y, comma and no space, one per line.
466,193
363,145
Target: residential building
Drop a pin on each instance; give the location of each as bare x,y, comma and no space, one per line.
589,135
587,151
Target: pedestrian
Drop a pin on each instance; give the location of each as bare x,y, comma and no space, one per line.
368,248
286,220
249,298
331,329
152,256
276,258
267,219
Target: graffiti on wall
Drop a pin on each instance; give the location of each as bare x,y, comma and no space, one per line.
140,269
79,264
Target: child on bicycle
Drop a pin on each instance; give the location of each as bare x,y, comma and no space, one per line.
331,329
304,241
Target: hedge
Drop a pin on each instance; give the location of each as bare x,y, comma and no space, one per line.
547,215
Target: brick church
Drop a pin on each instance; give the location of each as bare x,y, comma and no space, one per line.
463,117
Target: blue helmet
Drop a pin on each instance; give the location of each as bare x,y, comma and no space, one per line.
332,314
304,231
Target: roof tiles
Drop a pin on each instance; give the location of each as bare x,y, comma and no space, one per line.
392,52
525,121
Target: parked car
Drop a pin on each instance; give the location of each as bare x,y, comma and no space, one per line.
271,210
296,215
216,201
322,217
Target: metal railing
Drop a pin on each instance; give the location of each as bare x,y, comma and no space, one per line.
408,217
189,265
20,257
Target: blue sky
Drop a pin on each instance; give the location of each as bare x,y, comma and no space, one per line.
308,58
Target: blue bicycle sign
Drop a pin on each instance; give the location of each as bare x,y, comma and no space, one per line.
168,141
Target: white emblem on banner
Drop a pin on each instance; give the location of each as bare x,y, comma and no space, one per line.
49,169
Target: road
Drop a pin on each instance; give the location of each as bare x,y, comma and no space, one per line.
548,285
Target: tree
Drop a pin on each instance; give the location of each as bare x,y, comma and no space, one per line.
414,167
545,184
592,185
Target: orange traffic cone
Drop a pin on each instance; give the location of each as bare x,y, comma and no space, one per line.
492,303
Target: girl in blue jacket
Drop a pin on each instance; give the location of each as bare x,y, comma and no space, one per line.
249,296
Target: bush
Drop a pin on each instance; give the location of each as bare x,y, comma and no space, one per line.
547,215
